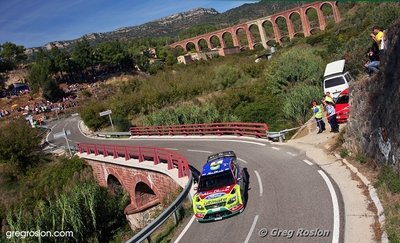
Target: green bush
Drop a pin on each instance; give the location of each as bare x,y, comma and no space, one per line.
390,178
294,66
296,107
90,114
91,212
361,158
188,114
226,76
19,145
344,153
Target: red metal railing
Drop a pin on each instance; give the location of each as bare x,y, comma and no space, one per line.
226,128
158,155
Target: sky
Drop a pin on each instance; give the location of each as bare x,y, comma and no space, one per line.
34,23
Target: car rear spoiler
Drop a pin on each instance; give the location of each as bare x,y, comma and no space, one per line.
221,155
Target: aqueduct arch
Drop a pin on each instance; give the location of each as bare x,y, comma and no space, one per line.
293,27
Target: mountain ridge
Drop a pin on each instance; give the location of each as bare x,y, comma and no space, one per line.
171,25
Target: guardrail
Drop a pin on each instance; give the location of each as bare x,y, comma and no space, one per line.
226,128
150,228
112,134
158,155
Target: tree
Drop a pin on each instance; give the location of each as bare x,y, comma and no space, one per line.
59,60
111,54
39,77
39,73
83,55
11,55
19,144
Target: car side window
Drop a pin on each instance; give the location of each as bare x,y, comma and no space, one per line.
234,168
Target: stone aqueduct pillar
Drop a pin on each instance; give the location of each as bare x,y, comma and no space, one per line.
305,25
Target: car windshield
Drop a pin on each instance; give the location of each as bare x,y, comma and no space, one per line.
342,99
210,182
334,82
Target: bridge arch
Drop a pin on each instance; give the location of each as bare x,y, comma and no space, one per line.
314,19
295,19
215,41
202,44
327,10
145,195
179,47
283,27
255,34
227,39
114,184
190,46
269,29
241,36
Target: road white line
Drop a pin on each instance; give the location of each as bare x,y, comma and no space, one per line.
172,148
336,215
47,137
242,160
307,162
259,182
292,154
199,151
184,230
275,148
251,229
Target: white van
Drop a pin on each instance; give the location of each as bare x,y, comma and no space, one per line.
335,79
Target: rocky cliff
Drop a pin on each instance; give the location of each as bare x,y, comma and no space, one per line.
374,125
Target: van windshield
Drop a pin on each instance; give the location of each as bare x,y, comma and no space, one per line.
334,82
343,99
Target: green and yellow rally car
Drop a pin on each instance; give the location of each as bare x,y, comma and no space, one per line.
220,188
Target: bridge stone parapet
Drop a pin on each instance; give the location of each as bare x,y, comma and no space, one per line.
146,183
278,35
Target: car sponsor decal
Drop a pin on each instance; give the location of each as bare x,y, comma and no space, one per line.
216,195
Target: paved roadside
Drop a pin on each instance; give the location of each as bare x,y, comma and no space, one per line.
358,219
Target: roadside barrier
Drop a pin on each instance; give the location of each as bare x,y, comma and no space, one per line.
225,128
141,153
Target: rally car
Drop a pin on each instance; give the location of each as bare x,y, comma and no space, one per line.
220,188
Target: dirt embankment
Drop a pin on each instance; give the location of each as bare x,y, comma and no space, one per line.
374,125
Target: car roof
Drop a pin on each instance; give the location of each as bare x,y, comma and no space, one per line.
217,165
334,67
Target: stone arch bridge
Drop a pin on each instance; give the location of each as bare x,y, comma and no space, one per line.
273,33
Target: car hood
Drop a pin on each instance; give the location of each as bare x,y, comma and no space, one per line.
215,193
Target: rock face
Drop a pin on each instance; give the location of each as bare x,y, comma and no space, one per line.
374,125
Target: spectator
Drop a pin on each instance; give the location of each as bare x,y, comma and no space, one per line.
331,113
378,36
318,113
328,98
372,65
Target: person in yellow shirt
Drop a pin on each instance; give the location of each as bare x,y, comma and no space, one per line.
328,98
377,35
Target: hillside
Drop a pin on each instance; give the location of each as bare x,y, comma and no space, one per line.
171,25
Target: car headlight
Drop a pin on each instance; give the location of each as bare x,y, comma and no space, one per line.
232,200
199,207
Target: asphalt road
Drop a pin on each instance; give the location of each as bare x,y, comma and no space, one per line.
289,195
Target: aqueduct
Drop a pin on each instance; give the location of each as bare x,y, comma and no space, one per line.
275,28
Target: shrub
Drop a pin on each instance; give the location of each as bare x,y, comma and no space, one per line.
90,114
390,178
226,76
294,66
361,158
188,114
19,145
296,107
344,153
